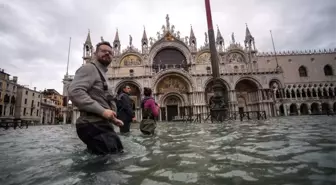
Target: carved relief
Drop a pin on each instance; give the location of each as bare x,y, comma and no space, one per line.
172,83
146,83
235,58
130,60
169,37
199,82
264,79
274,85
203,58
172,101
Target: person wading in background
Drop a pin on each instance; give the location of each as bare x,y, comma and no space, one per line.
90,93
150,111
125,110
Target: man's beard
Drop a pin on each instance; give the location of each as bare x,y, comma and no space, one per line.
105,60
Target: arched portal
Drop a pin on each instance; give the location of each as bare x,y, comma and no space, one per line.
325,108
173,92
173,103
293,109
242,104
209,91
135,93
169,57
275,85
248,90
304,109
281,110
315,108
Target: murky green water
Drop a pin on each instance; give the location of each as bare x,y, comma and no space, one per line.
293,150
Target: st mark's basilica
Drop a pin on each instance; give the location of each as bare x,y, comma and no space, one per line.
178,69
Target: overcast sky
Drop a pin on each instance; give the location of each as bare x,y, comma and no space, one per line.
34,34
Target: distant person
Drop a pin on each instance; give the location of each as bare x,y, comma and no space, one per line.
125,109
90,93
150,112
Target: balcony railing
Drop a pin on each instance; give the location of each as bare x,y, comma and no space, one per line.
225,71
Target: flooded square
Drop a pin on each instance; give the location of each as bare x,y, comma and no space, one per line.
290,150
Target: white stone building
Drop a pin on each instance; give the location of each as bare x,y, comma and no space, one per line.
48,112
28,104
8,89
179,72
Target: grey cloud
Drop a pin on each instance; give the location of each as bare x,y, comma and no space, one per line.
34,35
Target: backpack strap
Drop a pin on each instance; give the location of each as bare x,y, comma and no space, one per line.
105,86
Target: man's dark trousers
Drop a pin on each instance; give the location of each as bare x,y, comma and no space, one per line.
100,138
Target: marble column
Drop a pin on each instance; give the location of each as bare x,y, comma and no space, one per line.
285,109
64,117
73,119
41,116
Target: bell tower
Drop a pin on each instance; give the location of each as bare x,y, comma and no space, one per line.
192,40
87,49
249,44
249,41
144,42
116,44
219,41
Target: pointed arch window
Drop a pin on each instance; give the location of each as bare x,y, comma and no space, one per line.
328,71
303,71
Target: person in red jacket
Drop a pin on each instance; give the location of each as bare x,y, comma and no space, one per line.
150,112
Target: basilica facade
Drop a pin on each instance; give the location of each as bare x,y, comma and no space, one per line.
178,69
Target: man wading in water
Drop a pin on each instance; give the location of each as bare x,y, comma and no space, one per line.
150,111
125,110
90,93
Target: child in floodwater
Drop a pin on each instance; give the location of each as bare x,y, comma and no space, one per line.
150,112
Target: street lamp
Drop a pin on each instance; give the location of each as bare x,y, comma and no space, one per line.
218,106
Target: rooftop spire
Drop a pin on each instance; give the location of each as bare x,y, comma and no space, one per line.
248,35
88,39
192,35
144,36
219,36
116,37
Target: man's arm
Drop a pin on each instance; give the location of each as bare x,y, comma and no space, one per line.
79,87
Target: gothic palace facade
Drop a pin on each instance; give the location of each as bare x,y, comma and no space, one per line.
179,72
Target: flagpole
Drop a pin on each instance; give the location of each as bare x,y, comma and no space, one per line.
219,109
275,55
68,57
67,94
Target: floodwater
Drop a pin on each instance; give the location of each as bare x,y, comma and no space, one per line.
288,151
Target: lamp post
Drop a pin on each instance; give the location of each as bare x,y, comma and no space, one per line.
218,106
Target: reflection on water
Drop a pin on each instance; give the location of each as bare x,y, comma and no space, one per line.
292,150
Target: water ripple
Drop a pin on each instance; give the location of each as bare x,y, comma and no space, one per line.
291,150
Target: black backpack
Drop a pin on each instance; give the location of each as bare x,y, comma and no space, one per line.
118,101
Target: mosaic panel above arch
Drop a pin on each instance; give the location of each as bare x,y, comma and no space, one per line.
180,73
203,58
172,83
130,60
236,57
